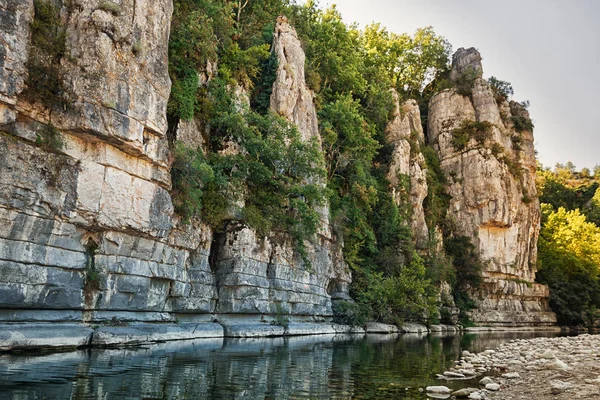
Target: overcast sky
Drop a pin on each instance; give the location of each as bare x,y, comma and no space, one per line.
548,49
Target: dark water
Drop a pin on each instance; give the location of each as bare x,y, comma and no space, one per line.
316,367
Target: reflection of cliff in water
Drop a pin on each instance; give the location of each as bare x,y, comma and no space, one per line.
339,366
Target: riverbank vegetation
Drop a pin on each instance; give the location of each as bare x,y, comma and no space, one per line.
569,243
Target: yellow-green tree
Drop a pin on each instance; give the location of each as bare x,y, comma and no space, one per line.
569,258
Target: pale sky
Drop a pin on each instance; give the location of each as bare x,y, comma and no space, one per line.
548,49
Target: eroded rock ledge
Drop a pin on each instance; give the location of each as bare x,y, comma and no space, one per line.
65,336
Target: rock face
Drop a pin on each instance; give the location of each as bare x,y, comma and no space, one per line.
89,231
87,222
494,201
291,97
88,227
265,274
407,173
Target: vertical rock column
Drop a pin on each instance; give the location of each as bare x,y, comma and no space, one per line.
407,174
494,200
292,99
266,275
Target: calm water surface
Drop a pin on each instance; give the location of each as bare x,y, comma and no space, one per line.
316,367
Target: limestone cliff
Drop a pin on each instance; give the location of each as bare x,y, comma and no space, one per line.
407,173
88,230
86,221
265,274
88,227
491,169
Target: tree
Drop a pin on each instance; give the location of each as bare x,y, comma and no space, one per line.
569,262
409,62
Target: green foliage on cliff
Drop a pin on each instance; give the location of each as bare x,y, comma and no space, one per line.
352,72
48,137
468,130
466,278
44,81
520,117
464,83
569,242
502,89
257,170
271,179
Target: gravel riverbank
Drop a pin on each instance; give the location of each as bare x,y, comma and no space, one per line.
558,368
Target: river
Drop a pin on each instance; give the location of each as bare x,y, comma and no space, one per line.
327,366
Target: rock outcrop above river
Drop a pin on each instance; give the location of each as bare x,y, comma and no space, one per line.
491,170
89,231
407,172
259,275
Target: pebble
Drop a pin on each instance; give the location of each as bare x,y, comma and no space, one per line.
438,389
451,374
462,393
558,364
571,361
485,381
557,387
548,354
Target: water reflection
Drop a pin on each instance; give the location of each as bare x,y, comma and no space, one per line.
329,366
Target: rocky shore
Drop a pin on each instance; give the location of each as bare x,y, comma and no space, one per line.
540,368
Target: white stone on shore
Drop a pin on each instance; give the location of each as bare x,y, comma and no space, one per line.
557,387
511,375
558,364
485,381
548,354
494,387
451,374
461,393
438,389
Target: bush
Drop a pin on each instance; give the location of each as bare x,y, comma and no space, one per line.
467,279
281,319
191,174
502,89
464,83
110,7
468,130
350,313
520,117
48,138
44,82
437,200
406,295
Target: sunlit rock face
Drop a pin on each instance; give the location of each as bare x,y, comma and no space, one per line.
88,223
89,230
494,200
407,173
